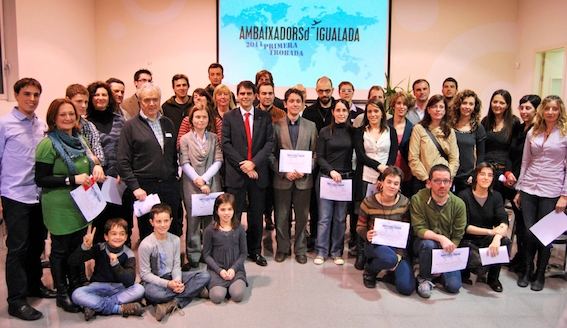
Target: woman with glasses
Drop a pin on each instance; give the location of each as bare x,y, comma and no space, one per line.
542,187
487,225
432,142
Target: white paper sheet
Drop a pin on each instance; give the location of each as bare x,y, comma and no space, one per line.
339,191
502,256
90,201
391,233
141,208
202,205
442,261
112,191
296,160
371,189
550,227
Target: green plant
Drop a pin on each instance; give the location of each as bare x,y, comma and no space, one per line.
389,91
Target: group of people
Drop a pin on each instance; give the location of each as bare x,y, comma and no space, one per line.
428,161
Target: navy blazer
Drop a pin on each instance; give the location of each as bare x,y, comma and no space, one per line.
235,146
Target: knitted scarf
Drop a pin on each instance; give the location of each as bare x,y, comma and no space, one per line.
69,148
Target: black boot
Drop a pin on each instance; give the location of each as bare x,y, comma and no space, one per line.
360,256
543,255
529,254
369,276
58,272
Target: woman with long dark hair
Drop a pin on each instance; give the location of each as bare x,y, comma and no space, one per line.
471,137
376,148
501,128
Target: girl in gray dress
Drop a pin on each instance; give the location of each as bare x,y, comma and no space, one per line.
225,250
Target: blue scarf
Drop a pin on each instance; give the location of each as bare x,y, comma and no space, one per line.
70,148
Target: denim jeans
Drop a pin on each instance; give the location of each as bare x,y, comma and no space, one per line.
423,249
105,297
193,281
331,226
384,258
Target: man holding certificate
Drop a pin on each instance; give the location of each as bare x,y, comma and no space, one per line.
438,219
381,223
295,139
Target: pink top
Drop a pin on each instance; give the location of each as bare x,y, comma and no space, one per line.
543,165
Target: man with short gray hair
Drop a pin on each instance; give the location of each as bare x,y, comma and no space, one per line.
147,157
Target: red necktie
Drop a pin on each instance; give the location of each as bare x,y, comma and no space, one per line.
248,135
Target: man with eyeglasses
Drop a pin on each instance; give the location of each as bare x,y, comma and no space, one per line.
319,113
438,220
147,157
131,105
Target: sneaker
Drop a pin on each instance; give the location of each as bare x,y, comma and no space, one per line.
130,309
164,309
319,260
204,293
89,313
339,260
424,288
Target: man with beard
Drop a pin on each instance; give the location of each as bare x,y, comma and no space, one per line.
421,92
449,90
177,107
319,113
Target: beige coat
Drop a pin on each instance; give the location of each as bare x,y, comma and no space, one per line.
423,153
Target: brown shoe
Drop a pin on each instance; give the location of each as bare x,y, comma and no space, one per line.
164,309
131,309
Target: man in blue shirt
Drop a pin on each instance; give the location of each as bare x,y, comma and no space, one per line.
20,132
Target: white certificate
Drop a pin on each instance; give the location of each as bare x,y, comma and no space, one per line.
371,189
391,233
296,160
550,227
502,256
442,261
202,205
144,207
339,191
89,200
112,191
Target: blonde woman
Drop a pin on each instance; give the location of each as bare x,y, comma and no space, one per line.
542,186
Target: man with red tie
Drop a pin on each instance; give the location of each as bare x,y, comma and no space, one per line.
247,142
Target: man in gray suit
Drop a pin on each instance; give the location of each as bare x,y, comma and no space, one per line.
421,92
292,188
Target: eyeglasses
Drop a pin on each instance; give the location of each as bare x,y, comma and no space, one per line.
486,175
439,181
324,91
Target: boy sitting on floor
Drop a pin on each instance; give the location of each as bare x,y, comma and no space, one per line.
112,289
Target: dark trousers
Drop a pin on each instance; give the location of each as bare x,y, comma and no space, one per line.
314,208
26,242
168,192
254,214
62,246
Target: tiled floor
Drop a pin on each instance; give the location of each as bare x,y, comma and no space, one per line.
289,294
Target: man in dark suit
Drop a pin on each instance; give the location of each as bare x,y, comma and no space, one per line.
247,141
292,188
131,105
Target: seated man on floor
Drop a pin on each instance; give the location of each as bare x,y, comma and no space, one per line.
438,219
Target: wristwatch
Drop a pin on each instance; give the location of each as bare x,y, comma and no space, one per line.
67,182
